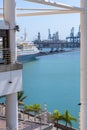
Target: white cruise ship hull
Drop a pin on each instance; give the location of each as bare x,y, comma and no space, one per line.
27,57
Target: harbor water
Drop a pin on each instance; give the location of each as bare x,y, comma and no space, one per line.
54,80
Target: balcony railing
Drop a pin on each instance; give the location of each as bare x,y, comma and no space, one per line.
6,56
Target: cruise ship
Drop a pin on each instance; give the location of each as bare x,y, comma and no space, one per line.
26,51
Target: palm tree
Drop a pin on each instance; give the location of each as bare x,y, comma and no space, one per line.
21,98
56,116
27,109
36,109
68,118
33,108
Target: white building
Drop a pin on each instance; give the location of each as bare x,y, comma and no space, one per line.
10,70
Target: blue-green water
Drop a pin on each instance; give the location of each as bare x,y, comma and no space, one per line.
54,80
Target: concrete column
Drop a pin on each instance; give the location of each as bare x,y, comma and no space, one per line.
83,67
11,112
9,17
11,100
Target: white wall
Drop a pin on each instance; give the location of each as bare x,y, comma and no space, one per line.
15,77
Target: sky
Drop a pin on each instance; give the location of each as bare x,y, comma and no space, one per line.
34,24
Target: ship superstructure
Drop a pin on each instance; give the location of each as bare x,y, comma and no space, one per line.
26,51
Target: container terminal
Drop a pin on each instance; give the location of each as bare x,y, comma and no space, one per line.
54,42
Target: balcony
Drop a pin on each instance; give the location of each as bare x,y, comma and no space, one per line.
6,55
10,73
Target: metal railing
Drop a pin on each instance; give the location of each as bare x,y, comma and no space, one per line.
63,127
6,56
